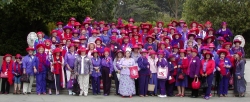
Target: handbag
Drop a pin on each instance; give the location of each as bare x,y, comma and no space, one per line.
171,81
204,83
151,87
181,76
196,83
134,72
25,78
50,76
4,75
231,81
76,87
162,73
70,83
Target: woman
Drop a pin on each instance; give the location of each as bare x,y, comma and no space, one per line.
144,73
40,68
177,40
127,84
83,67
223,65
193,70
67,32
58,71
105,38
17,72
182,69
239,80
91,47
6,69
93,37
96,73
99,47
225,32
172,65
162,62
238,48
152,59
70,58
107,69
40,39
206,71
150,42
119,56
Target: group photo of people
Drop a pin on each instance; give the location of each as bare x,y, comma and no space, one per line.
170,59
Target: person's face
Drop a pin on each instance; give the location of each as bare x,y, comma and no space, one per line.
194,54
83,53
160,25
199,27
199,41
227,47
68,42
188,51
184,29
105,32
208,56
72,49
40,35
64,41
95,54
127,54
153,55
175,49
106,54
114,34
160,56
144,54
98,42
91,46
18,59
194,24
237,44
181,24
222,55
59,26
101,25
190,44
76,35
208,25
83,41
236,56
120,55
47,43
209,40
211,48
113,26
136,37
54,34
174,24
72,22
221,42
94,35
58,54
40,50
95,26
191,37
210,33
67,30
136,50
167,41
77,27
163,46
7,59
150,40
172,59
86,25
224,26
126,40
182,54
53,39
30,52
172,31
204,51
177,36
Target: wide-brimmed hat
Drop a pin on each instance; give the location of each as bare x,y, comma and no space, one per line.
161,52
30,49
57,50
98,39
194,50
94,51
7,55
152,52
222,51
18,56
131,20
82,38
173,36
82,49
191,24
67,27
207,37
208,52
227,43
182,51
211,45
59,23
150,36
159,22
144,51
237,41
40,45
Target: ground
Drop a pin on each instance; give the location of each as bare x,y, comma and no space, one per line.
112,98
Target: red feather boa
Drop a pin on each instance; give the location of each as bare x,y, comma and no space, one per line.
9,71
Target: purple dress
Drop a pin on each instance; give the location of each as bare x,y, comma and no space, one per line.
184,82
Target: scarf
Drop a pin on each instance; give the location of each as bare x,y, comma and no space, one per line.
17,67
42,61
9,66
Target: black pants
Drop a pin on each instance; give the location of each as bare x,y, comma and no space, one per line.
195,92
106,80
5,86
116,82
137,86
56,83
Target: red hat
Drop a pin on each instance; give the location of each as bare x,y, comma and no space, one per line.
57,50
221,39
222,51
7,55
18,56
30,48
94,31
69,39
125,37
173,36
72,19
120,26
53,31
237,41
191,34
182,21
82,49
207,37
114,31
165,30
227,43
185,25
198,38
131,20
135,47
175,46
161,36
40,45
223,23
102,22
119,51
76,41
40,33
152,52
200,25
161,52
171,56
174,21
113,38
188,49
123,32
98,39
95,23
157,23
77,24
95,51
211,45
85,22
194,50
76,32
195,30
193,23
239,53
210,29
182,51
59,23
167,37
106,50
71,45
145,27
67,27
150,36
105,29
139,43
208,22
161,43
144,51
208,52
82,38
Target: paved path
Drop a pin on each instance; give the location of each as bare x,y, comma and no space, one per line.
91,98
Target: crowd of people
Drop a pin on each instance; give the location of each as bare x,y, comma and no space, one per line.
142,60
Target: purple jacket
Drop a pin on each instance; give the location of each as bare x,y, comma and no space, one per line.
108,62
27,62
143,63
69,59
96,63
194,67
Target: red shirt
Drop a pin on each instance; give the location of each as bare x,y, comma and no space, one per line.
57,66
209,67
184,65
222,68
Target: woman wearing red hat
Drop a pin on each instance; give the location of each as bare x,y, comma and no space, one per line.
181,83
28,69
162,46
177,40
201,33
77,26
94,36
239,79
193,70
190,37
223,65
144,73
126,43
193,24
6,73
59,27
107,69
54,34
206,71
152,59
150,42
58,70
83,67
91,47
228,46
221,41
172,65
136,38
83,32
71,22
17,72
162,62
238,48
67,32
181,26
40,39
75,35
104,36
41,65
48,49
99,47
225,32
86,26
208,40
83,41
184,32
207,25
96,73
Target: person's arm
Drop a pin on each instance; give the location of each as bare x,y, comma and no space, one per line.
111,69
211,69
141,64
116,66
198,66
76,65
24,65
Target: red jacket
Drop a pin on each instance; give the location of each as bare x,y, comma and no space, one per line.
133,41
210,67
184,65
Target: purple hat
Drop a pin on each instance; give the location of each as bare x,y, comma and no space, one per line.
76,32
204,48
67,27
224,23
72,19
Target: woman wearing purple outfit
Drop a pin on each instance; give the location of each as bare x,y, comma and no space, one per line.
127,84
107,69
162,62
225,32
96,73
238,48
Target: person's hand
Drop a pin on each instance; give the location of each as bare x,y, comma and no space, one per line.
52,69
150,75
90,73
195,76
69,69
206,75
110,75
218,68
175,67
203,75
118,71
24,72
35,71
179,66
58,62
148,66
239,77
20,62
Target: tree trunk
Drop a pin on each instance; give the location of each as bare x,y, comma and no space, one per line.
176,9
